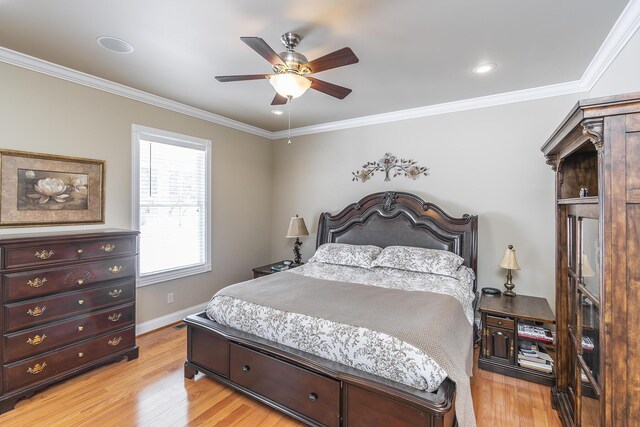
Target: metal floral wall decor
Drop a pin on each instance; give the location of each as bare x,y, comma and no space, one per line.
44,189
390,164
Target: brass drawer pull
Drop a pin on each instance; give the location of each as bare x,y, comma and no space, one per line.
500,322
81,354
115,293
80,328
313,397
108,248
80,301
114,342
44,254
116,269
37,368
80,251
36,311
80,282
246,368
115,317
37,282
36,340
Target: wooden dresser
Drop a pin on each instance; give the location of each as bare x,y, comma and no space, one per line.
596,156
67,305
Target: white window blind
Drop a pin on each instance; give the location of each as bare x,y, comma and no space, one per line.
172,200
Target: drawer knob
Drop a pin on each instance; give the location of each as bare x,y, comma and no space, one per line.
115,293
36,340
37,282
80,328
80,301
108,248
80,251
313,397
115,269
500,322
37,311
44,254
37,368
115,317
115,341
81,354
246,368
80,282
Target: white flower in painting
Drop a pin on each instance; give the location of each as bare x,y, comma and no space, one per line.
30,174
49,188
78,183
413,172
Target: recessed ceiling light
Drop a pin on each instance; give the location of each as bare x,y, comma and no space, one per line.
277,112
114,44
484,68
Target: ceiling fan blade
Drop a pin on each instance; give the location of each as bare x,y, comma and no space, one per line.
329,88
339,58
260,46
279,100
241,77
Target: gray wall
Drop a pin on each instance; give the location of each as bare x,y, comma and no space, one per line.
43,114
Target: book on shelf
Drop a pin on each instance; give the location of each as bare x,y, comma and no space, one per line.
535,332
537,366
587,343
531,356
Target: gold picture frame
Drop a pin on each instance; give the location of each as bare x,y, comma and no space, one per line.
46,189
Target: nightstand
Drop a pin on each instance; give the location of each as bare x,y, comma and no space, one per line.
265,270
500,316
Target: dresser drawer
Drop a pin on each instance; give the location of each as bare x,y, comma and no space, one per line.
35,312
309,394
20,345
107,247
500,322
39,255
36,369
18,286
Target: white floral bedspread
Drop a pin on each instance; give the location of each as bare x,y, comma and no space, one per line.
360,348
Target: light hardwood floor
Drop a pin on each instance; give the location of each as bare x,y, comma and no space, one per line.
151,391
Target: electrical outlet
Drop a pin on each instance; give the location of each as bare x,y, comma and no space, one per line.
170,298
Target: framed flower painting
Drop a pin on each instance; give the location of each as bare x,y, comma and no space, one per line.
44,189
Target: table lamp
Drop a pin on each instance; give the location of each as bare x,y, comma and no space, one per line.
509,263
297,229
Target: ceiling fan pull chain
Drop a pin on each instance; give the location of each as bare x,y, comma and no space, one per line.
289,132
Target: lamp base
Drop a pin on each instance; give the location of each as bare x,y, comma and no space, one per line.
509,285
297,256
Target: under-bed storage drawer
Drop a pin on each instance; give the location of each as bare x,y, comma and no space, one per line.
309,394
211,351
363,408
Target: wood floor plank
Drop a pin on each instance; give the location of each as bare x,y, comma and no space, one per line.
152,391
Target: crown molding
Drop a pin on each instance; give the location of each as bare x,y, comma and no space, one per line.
444,108
625,27
41,66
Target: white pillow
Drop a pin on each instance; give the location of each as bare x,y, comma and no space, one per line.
422,260
345,254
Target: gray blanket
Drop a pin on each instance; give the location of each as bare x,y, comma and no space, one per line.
433,323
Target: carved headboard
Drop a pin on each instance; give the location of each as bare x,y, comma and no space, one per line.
396,218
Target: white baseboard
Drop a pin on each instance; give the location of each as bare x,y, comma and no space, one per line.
168,319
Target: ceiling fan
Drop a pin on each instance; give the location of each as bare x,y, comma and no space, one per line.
291,70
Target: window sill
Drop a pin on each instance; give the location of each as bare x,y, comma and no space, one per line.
166,276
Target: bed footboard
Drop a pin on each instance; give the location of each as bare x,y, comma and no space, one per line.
310,389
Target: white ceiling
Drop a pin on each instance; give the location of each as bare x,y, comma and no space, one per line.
413,53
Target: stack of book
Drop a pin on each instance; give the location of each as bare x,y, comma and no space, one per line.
279,267
534,332
532,357
587,343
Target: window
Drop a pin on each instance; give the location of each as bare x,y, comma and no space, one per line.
171,204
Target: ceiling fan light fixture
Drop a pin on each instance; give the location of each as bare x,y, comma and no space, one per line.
290,85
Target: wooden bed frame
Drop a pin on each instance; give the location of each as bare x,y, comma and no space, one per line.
318,391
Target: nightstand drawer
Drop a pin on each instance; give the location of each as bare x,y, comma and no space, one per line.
500,322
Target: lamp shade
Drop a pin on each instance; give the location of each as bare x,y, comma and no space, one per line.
587,271
290,85
509,260
297,227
